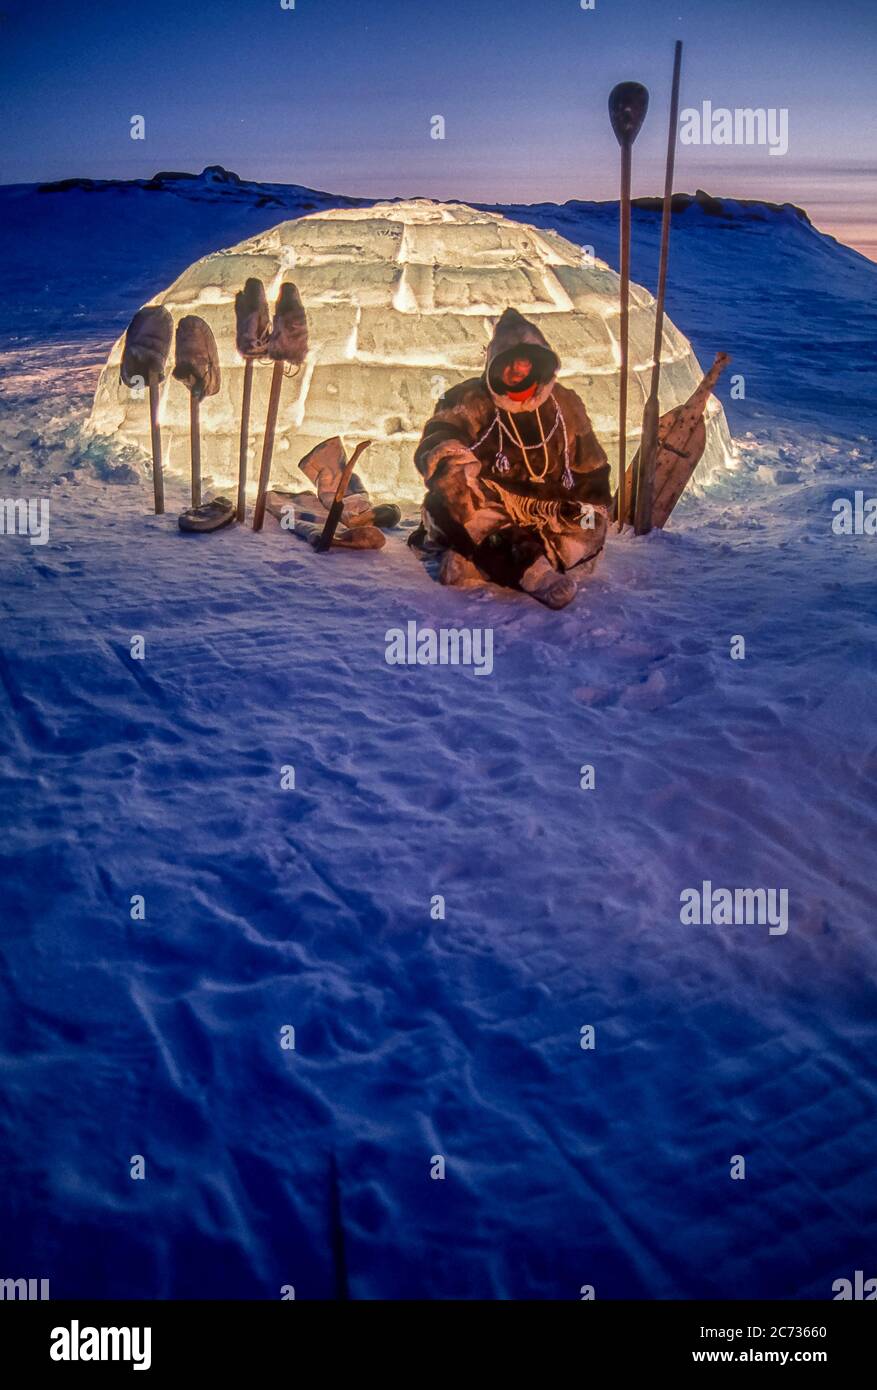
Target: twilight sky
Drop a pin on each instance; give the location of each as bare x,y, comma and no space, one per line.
339,94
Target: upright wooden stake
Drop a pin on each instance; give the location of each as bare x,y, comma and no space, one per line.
155,434
268,445
195,443
245,432
624,330
628,103
644,483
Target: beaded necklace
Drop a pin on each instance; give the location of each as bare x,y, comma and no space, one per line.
501,463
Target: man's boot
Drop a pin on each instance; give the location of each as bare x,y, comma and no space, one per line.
545,584
458,572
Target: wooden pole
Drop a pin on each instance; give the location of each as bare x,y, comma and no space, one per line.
268,445
624,332
195,445
245,439
155,435
628,103
648,451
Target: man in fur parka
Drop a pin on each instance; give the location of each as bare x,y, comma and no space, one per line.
517,483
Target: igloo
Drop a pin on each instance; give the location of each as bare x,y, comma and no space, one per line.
401,301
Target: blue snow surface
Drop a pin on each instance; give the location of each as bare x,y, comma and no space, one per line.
417,1038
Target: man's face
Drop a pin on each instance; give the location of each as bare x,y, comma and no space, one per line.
516,371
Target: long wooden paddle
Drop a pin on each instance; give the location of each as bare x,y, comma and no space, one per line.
644,481
628,104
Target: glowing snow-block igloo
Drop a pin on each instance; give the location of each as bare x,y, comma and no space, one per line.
401,301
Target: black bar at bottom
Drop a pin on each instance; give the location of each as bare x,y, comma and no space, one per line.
74,1338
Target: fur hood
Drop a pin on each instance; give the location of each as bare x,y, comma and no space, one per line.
512,333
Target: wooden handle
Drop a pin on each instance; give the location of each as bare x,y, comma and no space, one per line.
715,371
268,446
195,443
698,398
624,332
245,439
155,434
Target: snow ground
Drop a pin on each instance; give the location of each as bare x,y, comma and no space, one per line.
310,906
